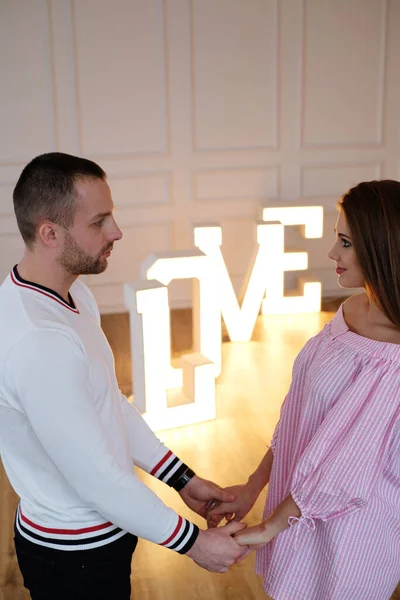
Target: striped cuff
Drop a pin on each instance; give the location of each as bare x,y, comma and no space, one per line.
169,469
183,537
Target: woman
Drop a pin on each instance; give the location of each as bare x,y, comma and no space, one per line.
331,528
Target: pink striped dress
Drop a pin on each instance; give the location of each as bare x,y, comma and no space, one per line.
337,451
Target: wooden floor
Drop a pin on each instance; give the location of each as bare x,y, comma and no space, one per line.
254,381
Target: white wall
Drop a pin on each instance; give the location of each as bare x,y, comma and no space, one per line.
201,111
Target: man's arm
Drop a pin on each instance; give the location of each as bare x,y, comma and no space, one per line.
146,449
150,454
50,377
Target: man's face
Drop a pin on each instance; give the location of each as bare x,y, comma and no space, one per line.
89,242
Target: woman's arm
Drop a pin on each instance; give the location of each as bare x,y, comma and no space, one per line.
277,521
246,494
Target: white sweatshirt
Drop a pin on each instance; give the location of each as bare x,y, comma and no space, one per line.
68,437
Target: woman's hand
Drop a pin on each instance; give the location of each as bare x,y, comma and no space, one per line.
246,496
257,536
278,521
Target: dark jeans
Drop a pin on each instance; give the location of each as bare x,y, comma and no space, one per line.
98,574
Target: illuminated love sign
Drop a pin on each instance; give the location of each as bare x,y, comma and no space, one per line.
151,363
156,382
312,218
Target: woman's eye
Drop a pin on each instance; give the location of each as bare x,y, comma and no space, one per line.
99,223
346,244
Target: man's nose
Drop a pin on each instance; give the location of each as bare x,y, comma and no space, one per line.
116,233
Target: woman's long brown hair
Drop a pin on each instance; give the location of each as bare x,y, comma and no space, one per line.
372,212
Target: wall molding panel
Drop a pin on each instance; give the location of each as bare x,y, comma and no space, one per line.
202,111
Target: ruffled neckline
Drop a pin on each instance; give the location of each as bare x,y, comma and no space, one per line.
340,329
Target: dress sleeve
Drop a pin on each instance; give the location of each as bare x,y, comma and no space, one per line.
298,376
340,468
275,436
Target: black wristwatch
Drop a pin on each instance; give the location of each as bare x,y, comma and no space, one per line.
183,479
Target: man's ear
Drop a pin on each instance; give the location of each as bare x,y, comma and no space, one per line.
49,233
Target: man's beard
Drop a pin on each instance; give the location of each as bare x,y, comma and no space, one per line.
78,262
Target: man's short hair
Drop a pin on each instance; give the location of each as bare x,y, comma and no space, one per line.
46,190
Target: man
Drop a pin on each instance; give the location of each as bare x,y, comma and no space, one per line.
68,437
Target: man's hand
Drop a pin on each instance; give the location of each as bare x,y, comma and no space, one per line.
246,496
199,492
216,550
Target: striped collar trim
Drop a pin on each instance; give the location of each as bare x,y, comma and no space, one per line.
17,279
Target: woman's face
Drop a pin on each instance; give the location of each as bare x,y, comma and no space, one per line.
343,253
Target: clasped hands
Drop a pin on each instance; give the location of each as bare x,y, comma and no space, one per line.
217,548
236,510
